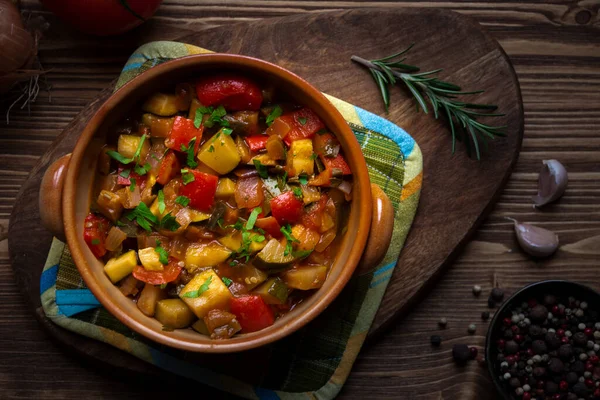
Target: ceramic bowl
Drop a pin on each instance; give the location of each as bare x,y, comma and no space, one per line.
67,185
535,290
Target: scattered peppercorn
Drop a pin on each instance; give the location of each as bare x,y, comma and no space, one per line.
472,328
476,290
443,322
461,353
435,340
485,315
497,294
473,351
491,303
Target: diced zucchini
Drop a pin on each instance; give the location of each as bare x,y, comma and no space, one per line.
161,104
301,156
200,327
128,144
251,275
225,188
154,210
216,296
308,238
174,313
149,298
273,291
220,153
198,216
272,257
233,242
264,159
150,259
205,255
119,267
221,324
159,127
305,278
109,204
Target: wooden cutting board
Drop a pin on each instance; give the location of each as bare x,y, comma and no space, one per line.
458,192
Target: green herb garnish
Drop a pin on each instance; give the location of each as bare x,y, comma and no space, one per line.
211,148
282,181
138,151
163,255
117,156
314,156
125,173
193,294
190,150
303,179
297,192
226,281
302,253
262,169
143,216
461,116
132,185
163,285
142,170
183,200
252,218
215,117
302,120
161,201
287,233
169,222
95,241
187,176
277,111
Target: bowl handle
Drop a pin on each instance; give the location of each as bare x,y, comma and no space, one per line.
50,199
380,235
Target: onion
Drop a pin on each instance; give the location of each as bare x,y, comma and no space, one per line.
325,240
115,238
184,218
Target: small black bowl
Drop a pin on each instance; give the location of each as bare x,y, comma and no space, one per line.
533,291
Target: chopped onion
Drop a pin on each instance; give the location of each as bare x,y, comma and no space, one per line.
129,286
184,218
345,187
179,247
325,240
115,238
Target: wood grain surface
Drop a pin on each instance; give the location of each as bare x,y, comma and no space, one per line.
555,51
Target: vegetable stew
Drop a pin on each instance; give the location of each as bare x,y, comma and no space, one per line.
219,205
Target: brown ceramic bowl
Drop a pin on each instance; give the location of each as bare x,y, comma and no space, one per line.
74,178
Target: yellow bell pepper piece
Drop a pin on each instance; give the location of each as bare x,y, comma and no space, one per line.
301,152
225,188
161,104
216,296
128,144
220,153
119,267
150,259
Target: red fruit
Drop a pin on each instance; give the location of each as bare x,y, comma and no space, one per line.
233,92
500,343
286,208
564,386
588,331
594,359
526,396
517,357
507,322
564,339
560,332
201,191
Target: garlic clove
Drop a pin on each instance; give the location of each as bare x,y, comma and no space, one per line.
552,182
535,241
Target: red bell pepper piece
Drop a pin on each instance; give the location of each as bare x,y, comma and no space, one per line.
201,191
95,229
169,167
269,225
182,132
314,214
257,142
286,208
170,272
305,123
252,313
140,180
235,93
337,162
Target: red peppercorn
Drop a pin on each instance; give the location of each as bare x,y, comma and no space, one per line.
532,303
529,352
557,396
564,386
564,339
510,360
526,396
540,384
588,331
555,310
560,332
517,357
514,329
589,383
540,392
597,393
506,321
500,343
564,326
473,351
589,366
518,338
594,359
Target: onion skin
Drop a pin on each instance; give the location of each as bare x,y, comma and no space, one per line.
552,183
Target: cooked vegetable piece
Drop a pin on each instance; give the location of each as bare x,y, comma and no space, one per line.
326,145
252,313
244,122
243,150
169,168
174,313
220,152
248,192
221,324
273,291
305,277
205,255
326,239
200,327
250,275
119,267
270,226
313,215
169,274
115,238
150,259
184,93
225,188
109,204
305,123
310,194
161,104
198,216
281,126
275,147
128,145
148,299
234,241
201,191
129,286
182,133
300,159
273,257
307,238
95,229
256,143
336,163
214,296
159,127
235,93
286,208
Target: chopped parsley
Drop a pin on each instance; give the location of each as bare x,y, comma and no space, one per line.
322,131
215,116
303,179
262,169
211,148
226,281
142,169
302,120
163,285
193,294
277,111
117,156
143,216
183,200
187,176
314,156
297,192
287,233
302,253
252,218
132,185
161,201
125,173
95,241
190,150
138,151
163,255
282,181
169,222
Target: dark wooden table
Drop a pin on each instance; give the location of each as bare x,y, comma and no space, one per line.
555,49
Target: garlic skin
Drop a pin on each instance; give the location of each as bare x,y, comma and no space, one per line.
552,183
535,241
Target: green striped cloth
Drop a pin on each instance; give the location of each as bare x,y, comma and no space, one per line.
311,363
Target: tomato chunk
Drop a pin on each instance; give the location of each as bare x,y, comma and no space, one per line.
182,132
252,313
257,142
269,225
140,180
305,123
314,214
201,191
286,208
95,229
169,167
337,162
235,93
168,274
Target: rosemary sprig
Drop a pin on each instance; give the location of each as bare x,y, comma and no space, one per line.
442,95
